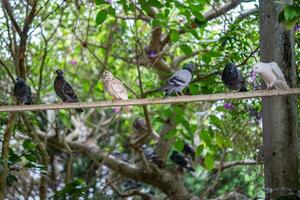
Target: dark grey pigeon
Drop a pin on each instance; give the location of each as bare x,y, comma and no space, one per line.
64,90
179,80
22,92
233,78
180,160
152,156
188,150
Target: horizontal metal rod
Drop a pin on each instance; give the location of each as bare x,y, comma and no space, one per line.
153,101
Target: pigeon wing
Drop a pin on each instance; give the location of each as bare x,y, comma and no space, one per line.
180,78
277,71
68,92
118,89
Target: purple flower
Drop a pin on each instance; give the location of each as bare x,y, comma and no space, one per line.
73,62
228,106
116,109
151,54
297,28
252,77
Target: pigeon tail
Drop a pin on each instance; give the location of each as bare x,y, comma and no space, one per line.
243,88
280,84
28,102
128,109
189,168
79,110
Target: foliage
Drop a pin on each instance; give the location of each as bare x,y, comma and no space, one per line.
74,36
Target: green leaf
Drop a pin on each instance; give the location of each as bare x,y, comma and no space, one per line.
205,136
111,11
100,2
155,3
174,36
179,144
186,49
291,13
215,121
101,17
170,134
209,161
206,58
145,6
29,145
11,179
31,157
199,150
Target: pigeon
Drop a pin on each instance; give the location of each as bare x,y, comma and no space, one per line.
152,156
64,90
233,78
188,150
180,160
271,74
131,184
179,80
115,88
22,92
140,126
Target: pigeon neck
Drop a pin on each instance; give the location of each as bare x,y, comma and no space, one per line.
188,69
60,77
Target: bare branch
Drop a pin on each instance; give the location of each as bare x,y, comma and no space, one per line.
227,165
216,12
5,152
209,15
7,70
8,10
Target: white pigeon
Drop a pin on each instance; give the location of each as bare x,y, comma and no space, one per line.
271,74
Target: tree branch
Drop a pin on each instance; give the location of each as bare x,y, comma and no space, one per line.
217,12
8,10
209,15
5,153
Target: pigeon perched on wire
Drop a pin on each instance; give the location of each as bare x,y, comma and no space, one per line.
64,90
180,160
188,150
233,78
179,80
22,92
271,74
115,88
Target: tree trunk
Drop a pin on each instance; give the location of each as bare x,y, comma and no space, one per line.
279,113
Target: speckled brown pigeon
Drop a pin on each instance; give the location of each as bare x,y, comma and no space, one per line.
115,88
64,90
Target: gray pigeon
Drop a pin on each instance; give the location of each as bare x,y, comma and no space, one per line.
179,80
22,92
233,78
64,90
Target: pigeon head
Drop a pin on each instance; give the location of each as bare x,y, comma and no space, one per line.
258,67
189,66
107,75
19,79
230,67
59,72
175,153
